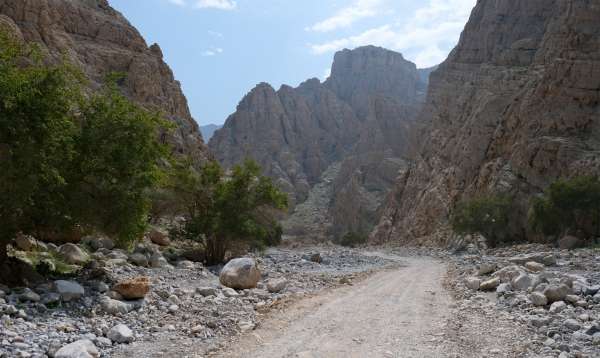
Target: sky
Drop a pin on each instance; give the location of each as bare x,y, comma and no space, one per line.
220,49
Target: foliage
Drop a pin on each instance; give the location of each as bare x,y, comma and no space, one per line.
486,215
68,159
222,209
569,204
353,239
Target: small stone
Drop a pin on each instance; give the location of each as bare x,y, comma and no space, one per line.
568,242
556,293
538,299
491,284
572,325
535,266
503,288
73,254
472,283
486,268
138,259
120,334
26,242
69,290
558,307
159,236
521,282
29,296
114,307
572,299
173,308
276,285
229,292
207,291
134,288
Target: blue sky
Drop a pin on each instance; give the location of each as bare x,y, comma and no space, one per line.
220,49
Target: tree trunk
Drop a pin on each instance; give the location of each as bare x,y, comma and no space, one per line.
215,250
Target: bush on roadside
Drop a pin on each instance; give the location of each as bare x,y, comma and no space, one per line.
487,216
222,209
353,239
568,205
69,159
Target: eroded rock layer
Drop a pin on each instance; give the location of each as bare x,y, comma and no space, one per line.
513,108
98,39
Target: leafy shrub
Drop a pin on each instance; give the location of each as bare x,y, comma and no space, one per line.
222,209
353,239
68,159
568,205
487,216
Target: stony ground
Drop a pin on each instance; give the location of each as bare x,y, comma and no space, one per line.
521,301
186,313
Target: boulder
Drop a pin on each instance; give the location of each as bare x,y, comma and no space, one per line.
158,261
29,296
508,273
69,290
133,289
504,288
83,348
538,299
556,293
73,254
26,242
472,283
572,324
240,274
159,237
568,242
276,285
229,292
120,334
489,285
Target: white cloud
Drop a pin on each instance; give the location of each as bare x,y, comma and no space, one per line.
215,34
430,28
216,4
212,52
345,17
177,2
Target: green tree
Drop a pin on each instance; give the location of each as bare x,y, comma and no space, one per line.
486,215
568,204
225,209
70,159
37,139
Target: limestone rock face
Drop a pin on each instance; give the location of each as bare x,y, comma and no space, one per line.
101,41
360,119
514,107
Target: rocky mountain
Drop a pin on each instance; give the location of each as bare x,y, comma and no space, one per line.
209,130
98,39
358,120
514,107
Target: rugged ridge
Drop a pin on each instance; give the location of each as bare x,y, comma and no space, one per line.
359,118
515,106
100,41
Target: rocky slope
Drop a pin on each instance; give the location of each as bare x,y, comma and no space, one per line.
515,106
359,118
99,40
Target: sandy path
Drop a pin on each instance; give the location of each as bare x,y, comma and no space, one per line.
397,313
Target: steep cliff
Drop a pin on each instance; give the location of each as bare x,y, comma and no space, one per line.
515,106
99,40
359,118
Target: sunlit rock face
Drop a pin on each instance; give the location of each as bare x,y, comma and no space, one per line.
513,108
99,40
360,117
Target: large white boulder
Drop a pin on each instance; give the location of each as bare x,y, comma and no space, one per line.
240,274
80,349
